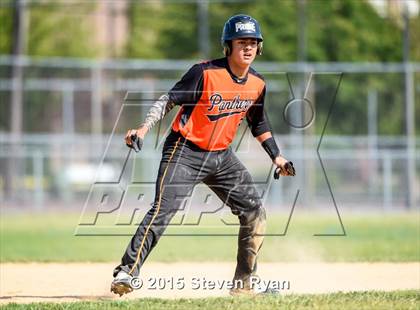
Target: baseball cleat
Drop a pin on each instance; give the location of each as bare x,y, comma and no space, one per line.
122,284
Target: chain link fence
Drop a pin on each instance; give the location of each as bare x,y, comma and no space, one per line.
74,116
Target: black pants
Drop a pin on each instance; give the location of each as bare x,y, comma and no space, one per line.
184,165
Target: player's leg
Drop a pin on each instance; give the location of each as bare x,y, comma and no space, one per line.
234,185
176,180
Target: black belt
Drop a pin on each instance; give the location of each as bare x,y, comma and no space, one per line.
183,140
194,147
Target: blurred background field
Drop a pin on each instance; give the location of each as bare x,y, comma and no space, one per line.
371,238
66,68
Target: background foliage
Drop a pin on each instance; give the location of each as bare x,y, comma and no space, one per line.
335,31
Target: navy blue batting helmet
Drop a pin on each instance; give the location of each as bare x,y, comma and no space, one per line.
241,26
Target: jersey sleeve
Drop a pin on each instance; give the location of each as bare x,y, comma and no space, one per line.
257,118
188,90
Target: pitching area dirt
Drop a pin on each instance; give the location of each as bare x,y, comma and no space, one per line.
54,282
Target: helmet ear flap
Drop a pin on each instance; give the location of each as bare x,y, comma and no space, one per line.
260,48
227,48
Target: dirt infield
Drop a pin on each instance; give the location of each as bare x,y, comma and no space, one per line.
58,282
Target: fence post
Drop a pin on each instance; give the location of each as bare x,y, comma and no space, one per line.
410,132
38,168
96,103
372,119
68,110
387,181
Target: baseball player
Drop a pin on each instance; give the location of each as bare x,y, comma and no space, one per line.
214,97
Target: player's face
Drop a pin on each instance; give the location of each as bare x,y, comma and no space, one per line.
244,51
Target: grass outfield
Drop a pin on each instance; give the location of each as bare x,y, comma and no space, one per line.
50,238
357,300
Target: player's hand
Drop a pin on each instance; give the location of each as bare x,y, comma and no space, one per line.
284,167
134,138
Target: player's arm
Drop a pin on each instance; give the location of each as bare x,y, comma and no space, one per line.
261,130
284,167
185,91
157,111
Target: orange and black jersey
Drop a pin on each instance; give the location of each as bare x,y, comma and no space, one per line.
213,103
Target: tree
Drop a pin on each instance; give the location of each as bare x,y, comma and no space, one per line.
349,30
6,30
145,23
61,29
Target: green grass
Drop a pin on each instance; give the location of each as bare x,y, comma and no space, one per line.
354,300
50,237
